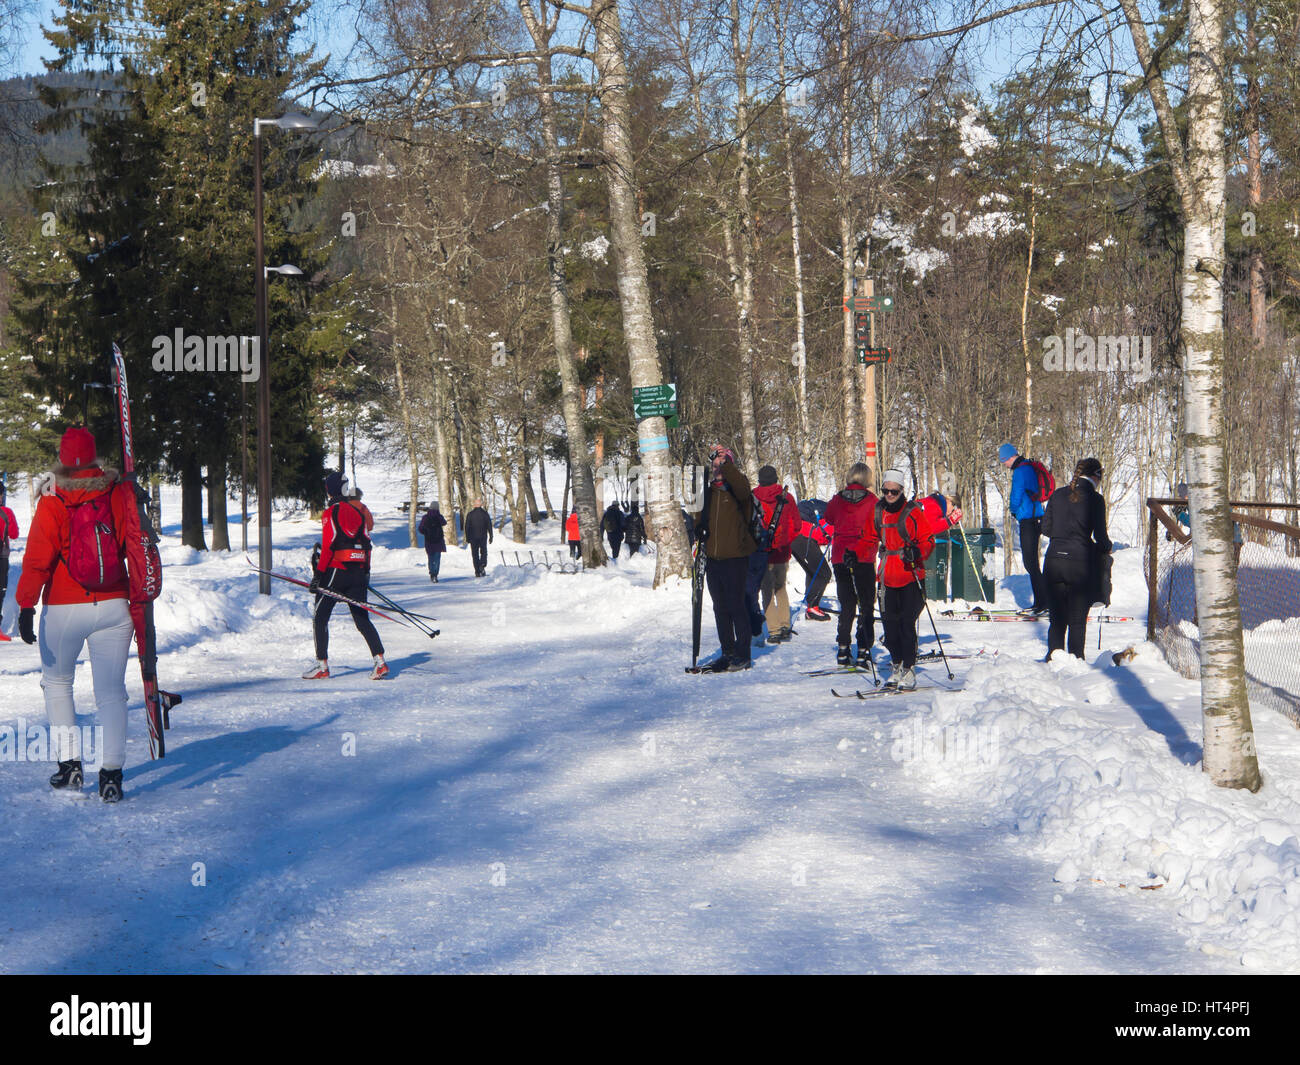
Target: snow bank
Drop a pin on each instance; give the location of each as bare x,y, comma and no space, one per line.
1113,803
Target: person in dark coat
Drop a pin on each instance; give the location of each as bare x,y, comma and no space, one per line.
435,541
635,530
612,526
723,529
1075,525
478,532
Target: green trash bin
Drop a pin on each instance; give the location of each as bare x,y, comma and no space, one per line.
966,583
936,569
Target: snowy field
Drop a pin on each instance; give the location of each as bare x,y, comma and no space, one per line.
542,789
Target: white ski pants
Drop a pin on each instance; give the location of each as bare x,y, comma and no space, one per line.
105,628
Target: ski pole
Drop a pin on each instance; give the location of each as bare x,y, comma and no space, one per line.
398,608
951,675
978,571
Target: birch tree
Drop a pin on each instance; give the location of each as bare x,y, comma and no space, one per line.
1199,172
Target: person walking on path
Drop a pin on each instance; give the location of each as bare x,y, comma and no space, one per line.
808,548
85,512
1027,508
853,561
1075,526
341,564
478,534
435,540
574,535
612,526
634,530
723,529
8,532
906,541
775,601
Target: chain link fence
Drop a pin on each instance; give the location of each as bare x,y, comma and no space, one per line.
1267,554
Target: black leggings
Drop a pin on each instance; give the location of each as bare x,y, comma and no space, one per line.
726,580
902,607
355,584
1069,595
855,584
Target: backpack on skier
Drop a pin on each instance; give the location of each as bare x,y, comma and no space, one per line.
93,557
1046,482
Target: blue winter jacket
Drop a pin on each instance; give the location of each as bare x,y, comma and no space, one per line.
1024,483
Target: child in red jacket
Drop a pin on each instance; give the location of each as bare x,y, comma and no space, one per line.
574,534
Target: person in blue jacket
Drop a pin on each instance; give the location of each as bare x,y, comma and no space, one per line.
1024,486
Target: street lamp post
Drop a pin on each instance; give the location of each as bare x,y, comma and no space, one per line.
290,121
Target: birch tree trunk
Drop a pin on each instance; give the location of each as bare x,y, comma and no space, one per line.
412,453
743,271
1200,176
1024,326
848,379
803,442
634,286
572,397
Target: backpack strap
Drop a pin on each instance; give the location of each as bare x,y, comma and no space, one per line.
901,525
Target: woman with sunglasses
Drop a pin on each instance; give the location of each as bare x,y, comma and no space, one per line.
1075,525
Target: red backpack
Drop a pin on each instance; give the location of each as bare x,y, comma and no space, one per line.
93,557
1046,482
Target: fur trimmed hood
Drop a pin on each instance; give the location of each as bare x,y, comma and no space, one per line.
101,481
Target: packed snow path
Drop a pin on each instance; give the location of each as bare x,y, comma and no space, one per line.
543,789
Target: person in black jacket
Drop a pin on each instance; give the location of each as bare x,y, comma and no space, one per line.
635,530
1075,525
478,531
435,541
612,526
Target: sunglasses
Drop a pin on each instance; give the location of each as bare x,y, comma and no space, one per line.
891,491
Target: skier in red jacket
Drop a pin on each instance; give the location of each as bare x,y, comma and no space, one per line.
906,541
75,616
342,565
853,560
775,602
574,535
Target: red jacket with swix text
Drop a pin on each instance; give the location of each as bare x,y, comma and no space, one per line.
343,539
45,573
850,512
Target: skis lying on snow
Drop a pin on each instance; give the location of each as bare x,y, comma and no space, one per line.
872,692
343,599
157,703
985,616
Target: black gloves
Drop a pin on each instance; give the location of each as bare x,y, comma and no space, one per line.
315,584
26,618
911,555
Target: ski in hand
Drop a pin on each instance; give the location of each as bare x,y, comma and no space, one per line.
157,703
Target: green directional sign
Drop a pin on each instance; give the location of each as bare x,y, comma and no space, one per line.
657,401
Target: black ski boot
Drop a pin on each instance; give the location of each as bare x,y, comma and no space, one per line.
842,655
864,655
110,785
68,776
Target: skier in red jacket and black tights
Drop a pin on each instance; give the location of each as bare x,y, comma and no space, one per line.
853,560
342,564
906,541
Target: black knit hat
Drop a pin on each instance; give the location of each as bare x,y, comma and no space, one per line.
766,475
334,484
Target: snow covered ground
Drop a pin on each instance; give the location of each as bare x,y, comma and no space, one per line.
542,789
